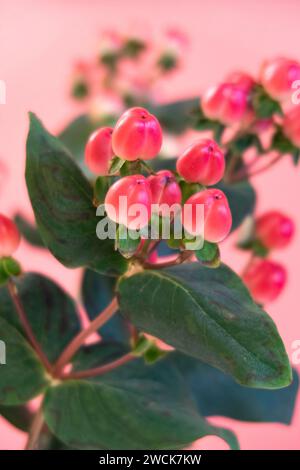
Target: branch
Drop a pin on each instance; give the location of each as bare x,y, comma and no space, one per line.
244,174
12,288
76,343
35,430
101,369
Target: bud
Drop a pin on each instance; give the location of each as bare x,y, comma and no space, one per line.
203,162
291,125
128,202
227,103
265,279
98,151
217,215
9,236
137,135
164,188
277,76
274,230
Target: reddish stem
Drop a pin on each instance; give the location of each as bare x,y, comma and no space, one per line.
101,369
12,288
244,174
76,343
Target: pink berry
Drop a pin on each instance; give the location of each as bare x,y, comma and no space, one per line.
164,189
203,162
98,151
217,215
242,79
227,103
278,75
265,279
137,135
128,202
274,230
9,236
291,125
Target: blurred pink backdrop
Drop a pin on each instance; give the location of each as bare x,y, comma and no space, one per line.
39,41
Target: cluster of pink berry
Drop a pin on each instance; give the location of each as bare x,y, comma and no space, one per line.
127,68
266,278
137,136
233,101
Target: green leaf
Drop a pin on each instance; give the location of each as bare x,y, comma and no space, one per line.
263,105
209,254
246,141
218,395
175,117
116,165
100,189
281,143
62,198
51,313
19,416
241,198
22,377
208,314
133,407
97,292
9,267
28,231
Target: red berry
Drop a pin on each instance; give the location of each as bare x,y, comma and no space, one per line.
164,189
291,125
9,236
128,202
265,279
217,215
274,230
242,79
227,103
278,75
99,152
203,162
137,135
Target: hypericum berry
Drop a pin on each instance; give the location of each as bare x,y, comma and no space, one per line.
265,279
242,79
291,125
217,215
137,135
278,75
99,152
227,103
203,162
165,190
9,236
128,202
274,229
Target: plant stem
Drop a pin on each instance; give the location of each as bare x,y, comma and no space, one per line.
12,288
244,174
101,369
75,344
35,430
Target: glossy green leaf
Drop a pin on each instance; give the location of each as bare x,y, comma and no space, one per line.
209,254
133,407
242,198
19,416
217,394
208,314
22,377
51,312
62,200
97,292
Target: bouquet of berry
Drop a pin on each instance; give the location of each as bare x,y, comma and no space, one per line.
180,336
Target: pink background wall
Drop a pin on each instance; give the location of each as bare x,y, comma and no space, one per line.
39,40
